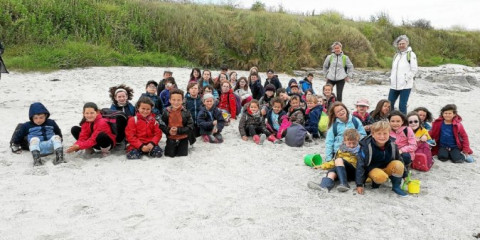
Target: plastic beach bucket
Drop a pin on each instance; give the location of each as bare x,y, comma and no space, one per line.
414,186
312,160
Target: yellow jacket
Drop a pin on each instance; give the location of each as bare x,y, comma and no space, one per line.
422,131
345,155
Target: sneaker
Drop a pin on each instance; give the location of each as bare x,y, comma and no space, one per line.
314,186
218,137
308,137
205,138
262,139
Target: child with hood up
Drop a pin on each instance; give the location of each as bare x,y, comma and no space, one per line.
43,135
267,97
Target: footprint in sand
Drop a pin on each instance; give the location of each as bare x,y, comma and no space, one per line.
36,171
236,222
134,220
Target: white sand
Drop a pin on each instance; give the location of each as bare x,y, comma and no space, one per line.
235,190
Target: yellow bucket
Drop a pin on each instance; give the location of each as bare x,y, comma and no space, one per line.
414,186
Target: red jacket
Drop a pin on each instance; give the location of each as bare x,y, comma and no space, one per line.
142,131
88,139
228,102
459,132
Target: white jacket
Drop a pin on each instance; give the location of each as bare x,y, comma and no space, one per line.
402,71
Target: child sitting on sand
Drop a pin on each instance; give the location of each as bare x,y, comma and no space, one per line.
329,95
296,114
361,113
312,115
193,103
275,117
242,90
381,111
121,96
210,120
252,124
451,137
42,134
227,103
379,159
142,132
344,164
404,137
165,94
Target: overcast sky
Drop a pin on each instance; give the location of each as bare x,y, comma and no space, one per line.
441,13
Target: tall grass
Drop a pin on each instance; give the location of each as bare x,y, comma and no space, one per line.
51,34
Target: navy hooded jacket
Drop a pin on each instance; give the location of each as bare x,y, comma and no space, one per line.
30,130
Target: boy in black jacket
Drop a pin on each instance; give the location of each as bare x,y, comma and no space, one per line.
379,160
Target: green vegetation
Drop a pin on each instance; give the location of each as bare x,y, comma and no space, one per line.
53,34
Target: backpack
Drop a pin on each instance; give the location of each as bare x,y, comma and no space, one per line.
117,121
335,125
295,135
423,158
344,61
238,103
323,123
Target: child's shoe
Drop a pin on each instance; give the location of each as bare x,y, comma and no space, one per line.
273,139
326,184
58,156
134,154
37,161
396,181
469,159
218,137
105,151
156,152
342,176
308,137
259,139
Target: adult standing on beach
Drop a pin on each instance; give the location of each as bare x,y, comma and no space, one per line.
3,68
404,68
338,69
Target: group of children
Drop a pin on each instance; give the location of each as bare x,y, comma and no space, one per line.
374,145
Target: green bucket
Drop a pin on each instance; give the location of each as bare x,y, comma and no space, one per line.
312,160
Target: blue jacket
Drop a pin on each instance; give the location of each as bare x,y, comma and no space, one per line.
332,143
30,130
312,119
371,156
129,109
165,97
205,120
305,84
158,109
193,105
270,121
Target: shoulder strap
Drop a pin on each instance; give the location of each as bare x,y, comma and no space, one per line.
355,122
334,128
344,60
405,130
393,151
408,56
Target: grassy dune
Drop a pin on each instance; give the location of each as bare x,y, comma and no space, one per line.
59,34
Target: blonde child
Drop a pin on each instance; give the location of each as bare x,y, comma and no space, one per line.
252,124
451,137
379,159
142,132
94,132
343,167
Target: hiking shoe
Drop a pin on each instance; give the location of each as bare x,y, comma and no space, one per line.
314,186
134,154
218,137
58,156
105,151
156,152
308,137
37,161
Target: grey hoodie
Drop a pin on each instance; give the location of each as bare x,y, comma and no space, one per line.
335,71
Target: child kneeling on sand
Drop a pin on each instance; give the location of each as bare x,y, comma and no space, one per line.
210,120
43,135
177,124
344,165
379,159
142,132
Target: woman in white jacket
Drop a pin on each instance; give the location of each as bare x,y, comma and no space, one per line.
404,68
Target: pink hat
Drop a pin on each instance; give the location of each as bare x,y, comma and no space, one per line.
362,102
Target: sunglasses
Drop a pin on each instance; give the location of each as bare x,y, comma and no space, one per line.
414,121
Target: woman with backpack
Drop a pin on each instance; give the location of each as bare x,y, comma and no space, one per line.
404,68
340,119
338,68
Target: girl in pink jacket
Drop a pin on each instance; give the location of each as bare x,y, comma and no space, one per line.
404,137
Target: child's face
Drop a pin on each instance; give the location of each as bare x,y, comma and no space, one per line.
121,97
284,96
448,115
39,119
144,109
208,90
311,104
308,94
396,122
208,103
386,108
362,109
169,86
254,78
414,122
381,137
269,93
253,108
310,78
295,89
193,91
295,103
90,114
269,75
340,112
233,77
206,75
320,101
350,143
166,75
176,100
225,87
327,91
277,107
242,83
422,115
196,73
223,77
151,88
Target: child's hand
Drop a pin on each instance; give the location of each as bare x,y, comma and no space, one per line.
423,138
360,190
215,130
263,112
173,131
347,79
244,138
215,123
73,148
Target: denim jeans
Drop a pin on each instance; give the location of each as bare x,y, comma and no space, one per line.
404,95
45,147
